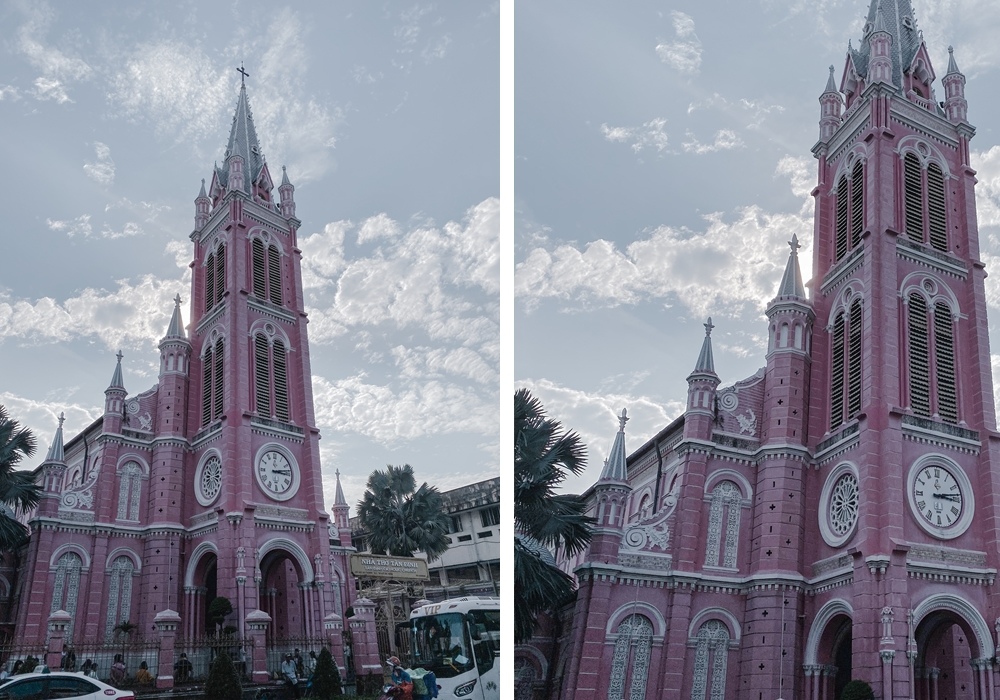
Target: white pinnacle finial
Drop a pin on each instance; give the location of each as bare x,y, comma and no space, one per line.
622,420
62,418
709,326
794,243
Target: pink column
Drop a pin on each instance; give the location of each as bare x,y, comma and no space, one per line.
334,626
366,657
58,622
167,622
257,623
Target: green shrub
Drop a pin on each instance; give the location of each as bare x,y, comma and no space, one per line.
223,680
857,690
326,677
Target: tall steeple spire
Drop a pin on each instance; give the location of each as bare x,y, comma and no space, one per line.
243,142
615,468
895,18
338,498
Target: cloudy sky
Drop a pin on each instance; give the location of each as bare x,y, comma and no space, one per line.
663,160
386,116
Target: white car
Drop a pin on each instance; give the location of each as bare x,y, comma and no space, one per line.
43,686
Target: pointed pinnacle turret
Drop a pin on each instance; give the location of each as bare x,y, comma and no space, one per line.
284,176
615,468
952,66
202,192
116,379
56,453
880,25
176,327
831,86
706,362
338,499
791,281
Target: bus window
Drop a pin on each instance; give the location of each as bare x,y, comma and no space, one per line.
440,644
484,628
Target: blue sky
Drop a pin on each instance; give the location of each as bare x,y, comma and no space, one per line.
662,155
387,118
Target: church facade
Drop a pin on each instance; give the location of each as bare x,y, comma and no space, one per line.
836,516
209,482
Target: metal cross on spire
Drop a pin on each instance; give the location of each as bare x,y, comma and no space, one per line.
243,74
794,243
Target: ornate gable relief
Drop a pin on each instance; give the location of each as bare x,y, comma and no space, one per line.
739,406
653,532
80,495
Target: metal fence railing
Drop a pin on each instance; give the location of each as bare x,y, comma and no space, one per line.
101,657
277,648
199,653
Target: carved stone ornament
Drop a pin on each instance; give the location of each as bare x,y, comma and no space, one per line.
81,497
748,422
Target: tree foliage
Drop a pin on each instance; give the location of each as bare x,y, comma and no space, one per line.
219,609
400,518
223,680
857,690
544,453
18,490
326,678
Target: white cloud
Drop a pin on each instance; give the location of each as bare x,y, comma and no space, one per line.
10,93
103,170
378,226
134,315
755,110
80,226
413,410
127,231
593,415
683,53
56,67
730,267
436,49
725,140
175,88
650,135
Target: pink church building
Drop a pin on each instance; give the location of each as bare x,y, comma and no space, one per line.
209,482
835,516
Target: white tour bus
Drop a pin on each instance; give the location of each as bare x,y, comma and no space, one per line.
459,641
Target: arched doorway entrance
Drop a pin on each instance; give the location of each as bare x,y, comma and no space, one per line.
829,650
287,590
200,589
954,650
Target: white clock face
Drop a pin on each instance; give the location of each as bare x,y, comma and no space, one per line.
938,496
211,479
276,474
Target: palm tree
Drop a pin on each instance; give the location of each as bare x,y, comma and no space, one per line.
18,490
543,454
400,518
124,630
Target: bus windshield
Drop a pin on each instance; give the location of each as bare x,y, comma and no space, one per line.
440,643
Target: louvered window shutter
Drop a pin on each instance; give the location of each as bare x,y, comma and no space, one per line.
274,274
280,382
842,202
944,352
854,362
913,192
259,273
262,372
919,371
936,208
837,374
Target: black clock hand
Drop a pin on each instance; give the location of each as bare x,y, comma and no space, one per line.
948,496
282,471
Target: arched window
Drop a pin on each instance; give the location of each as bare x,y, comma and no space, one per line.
845,365
711,657
723,525
524,679
924,196
635,637
129,490
850,210
266,264
215,277
932,353
66,588
270,377
119,594
212,383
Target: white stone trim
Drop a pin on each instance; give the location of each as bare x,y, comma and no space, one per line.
294,549
716,613
829,536
199,552
830,610
968,496
207,455
622,613
70,547
961,607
